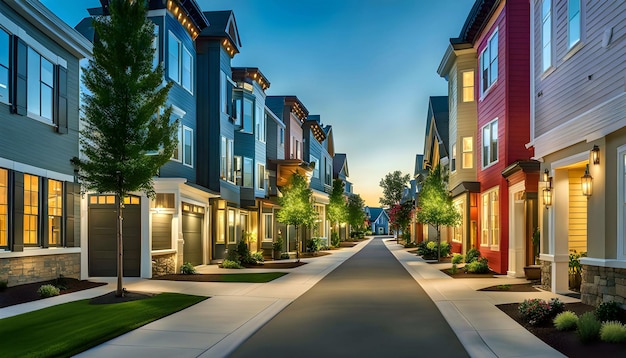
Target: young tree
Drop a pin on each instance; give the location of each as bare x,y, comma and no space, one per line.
296,205
121,111
337,209
356,212
400,217
435,204
393,185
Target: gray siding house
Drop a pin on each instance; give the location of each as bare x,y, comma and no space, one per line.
39,110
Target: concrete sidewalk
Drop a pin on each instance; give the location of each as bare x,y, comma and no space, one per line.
215,327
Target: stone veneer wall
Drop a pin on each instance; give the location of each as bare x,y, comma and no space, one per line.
21,270
163,265
546,275
602,284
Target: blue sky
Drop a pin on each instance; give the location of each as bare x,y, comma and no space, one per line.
366,66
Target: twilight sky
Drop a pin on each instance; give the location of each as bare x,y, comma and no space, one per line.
366,66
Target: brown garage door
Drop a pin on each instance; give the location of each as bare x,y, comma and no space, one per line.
192,234
102,237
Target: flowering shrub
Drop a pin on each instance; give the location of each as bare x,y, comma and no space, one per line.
428,249
536,311
48,291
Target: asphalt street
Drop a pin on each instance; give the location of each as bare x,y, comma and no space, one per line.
368,307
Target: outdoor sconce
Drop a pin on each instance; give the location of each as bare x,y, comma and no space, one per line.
586,183
595,155
547,192
546,175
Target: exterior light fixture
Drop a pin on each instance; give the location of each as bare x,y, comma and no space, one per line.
546,175
586,183
595,155
547,192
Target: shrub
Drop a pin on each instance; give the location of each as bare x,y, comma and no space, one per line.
536,311
613,332
231,264
410,245
258,256
3,285
608,311
48,291
480,266
472,255
278,245
454,269
335,240
284,256
314,244
588,327
565,321
457,258
445,249
187,269
428,249
243,254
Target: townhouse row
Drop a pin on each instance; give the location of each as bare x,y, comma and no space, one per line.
237,147
532,133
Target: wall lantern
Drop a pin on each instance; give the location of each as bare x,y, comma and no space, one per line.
586,183
547,192
595,155
546,175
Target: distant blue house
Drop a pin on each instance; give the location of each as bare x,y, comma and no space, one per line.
378,220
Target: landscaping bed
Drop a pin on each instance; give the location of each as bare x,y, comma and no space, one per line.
224,277
28,292
519,287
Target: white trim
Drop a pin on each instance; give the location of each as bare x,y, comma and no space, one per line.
177,112
621,197
482,137
572,159
25,168
603,262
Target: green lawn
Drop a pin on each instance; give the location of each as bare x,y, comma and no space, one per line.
261,277
71,328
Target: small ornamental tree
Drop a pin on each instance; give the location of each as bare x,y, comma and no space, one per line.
296,205
400,217
337,211
356,211
393,185
121,111
435,205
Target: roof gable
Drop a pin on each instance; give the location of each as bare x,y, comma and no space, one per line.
223,26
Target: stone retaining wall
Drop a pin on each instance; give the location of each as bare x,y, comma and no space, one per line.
21,270
602,284
546,275
163,265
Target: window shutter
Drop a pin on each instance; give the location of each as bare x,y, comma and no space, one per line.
72,195
60,113
20,60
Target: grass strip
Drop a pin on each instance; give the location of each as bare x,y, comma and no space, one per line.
73,327
261,277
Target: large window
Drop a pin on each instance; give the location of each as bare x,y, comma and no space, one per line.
227,160
316,167
248,115
490,143
459,230
31,209
261,176
489,63
55,212
4,207
180,63
573,22
259,118
329,173
187,69
187,146
268,227
4,67
221,233
490,219
468,153
231,227
40,85
546,34
238,170
248,175
453,161
468,86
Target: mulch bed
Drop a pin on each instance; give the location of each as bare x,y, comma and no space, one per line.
28,292
462,274
443,260
348,243
567,343
279,265
110,297
519,287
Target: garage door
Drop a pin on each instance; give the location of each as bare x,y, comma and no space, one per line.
103,241
192,234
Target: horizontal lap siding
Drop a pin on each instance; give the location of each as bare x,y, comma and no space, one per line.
466,119
568,91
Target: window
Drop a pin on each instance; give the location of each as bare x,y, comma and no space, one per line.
490,219
31,209
546,34
4,68
238,170
155,46
223,97
328,178
176,153
316,167
468,153
221,233
238,113
55,212
40,85
4,207
231,226
261,176
248,175
187,146
297,149
259,118
282,136
187,69
453,161
227,160
573,22
489,63
248,115
457,234
468,86
173,56
490,143
268,227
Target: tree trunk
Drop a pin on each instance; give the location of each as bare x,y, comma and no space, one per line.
438,244
297,244
120,248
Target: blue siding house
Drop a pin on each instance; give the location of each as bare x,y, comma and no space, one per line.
378,220
40,236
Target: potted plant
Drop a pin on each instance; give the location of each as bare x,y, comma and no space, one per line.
575,270
277,247
533,272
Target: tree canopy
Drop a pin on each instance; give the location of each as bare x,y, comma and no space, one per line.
393,185
356,212
337,211
400,216
296,203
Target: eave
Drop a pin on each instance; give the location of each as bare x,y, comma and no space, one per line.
252,73
287,167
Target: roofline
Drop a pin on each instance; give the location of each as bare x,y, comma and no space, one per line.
476,21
